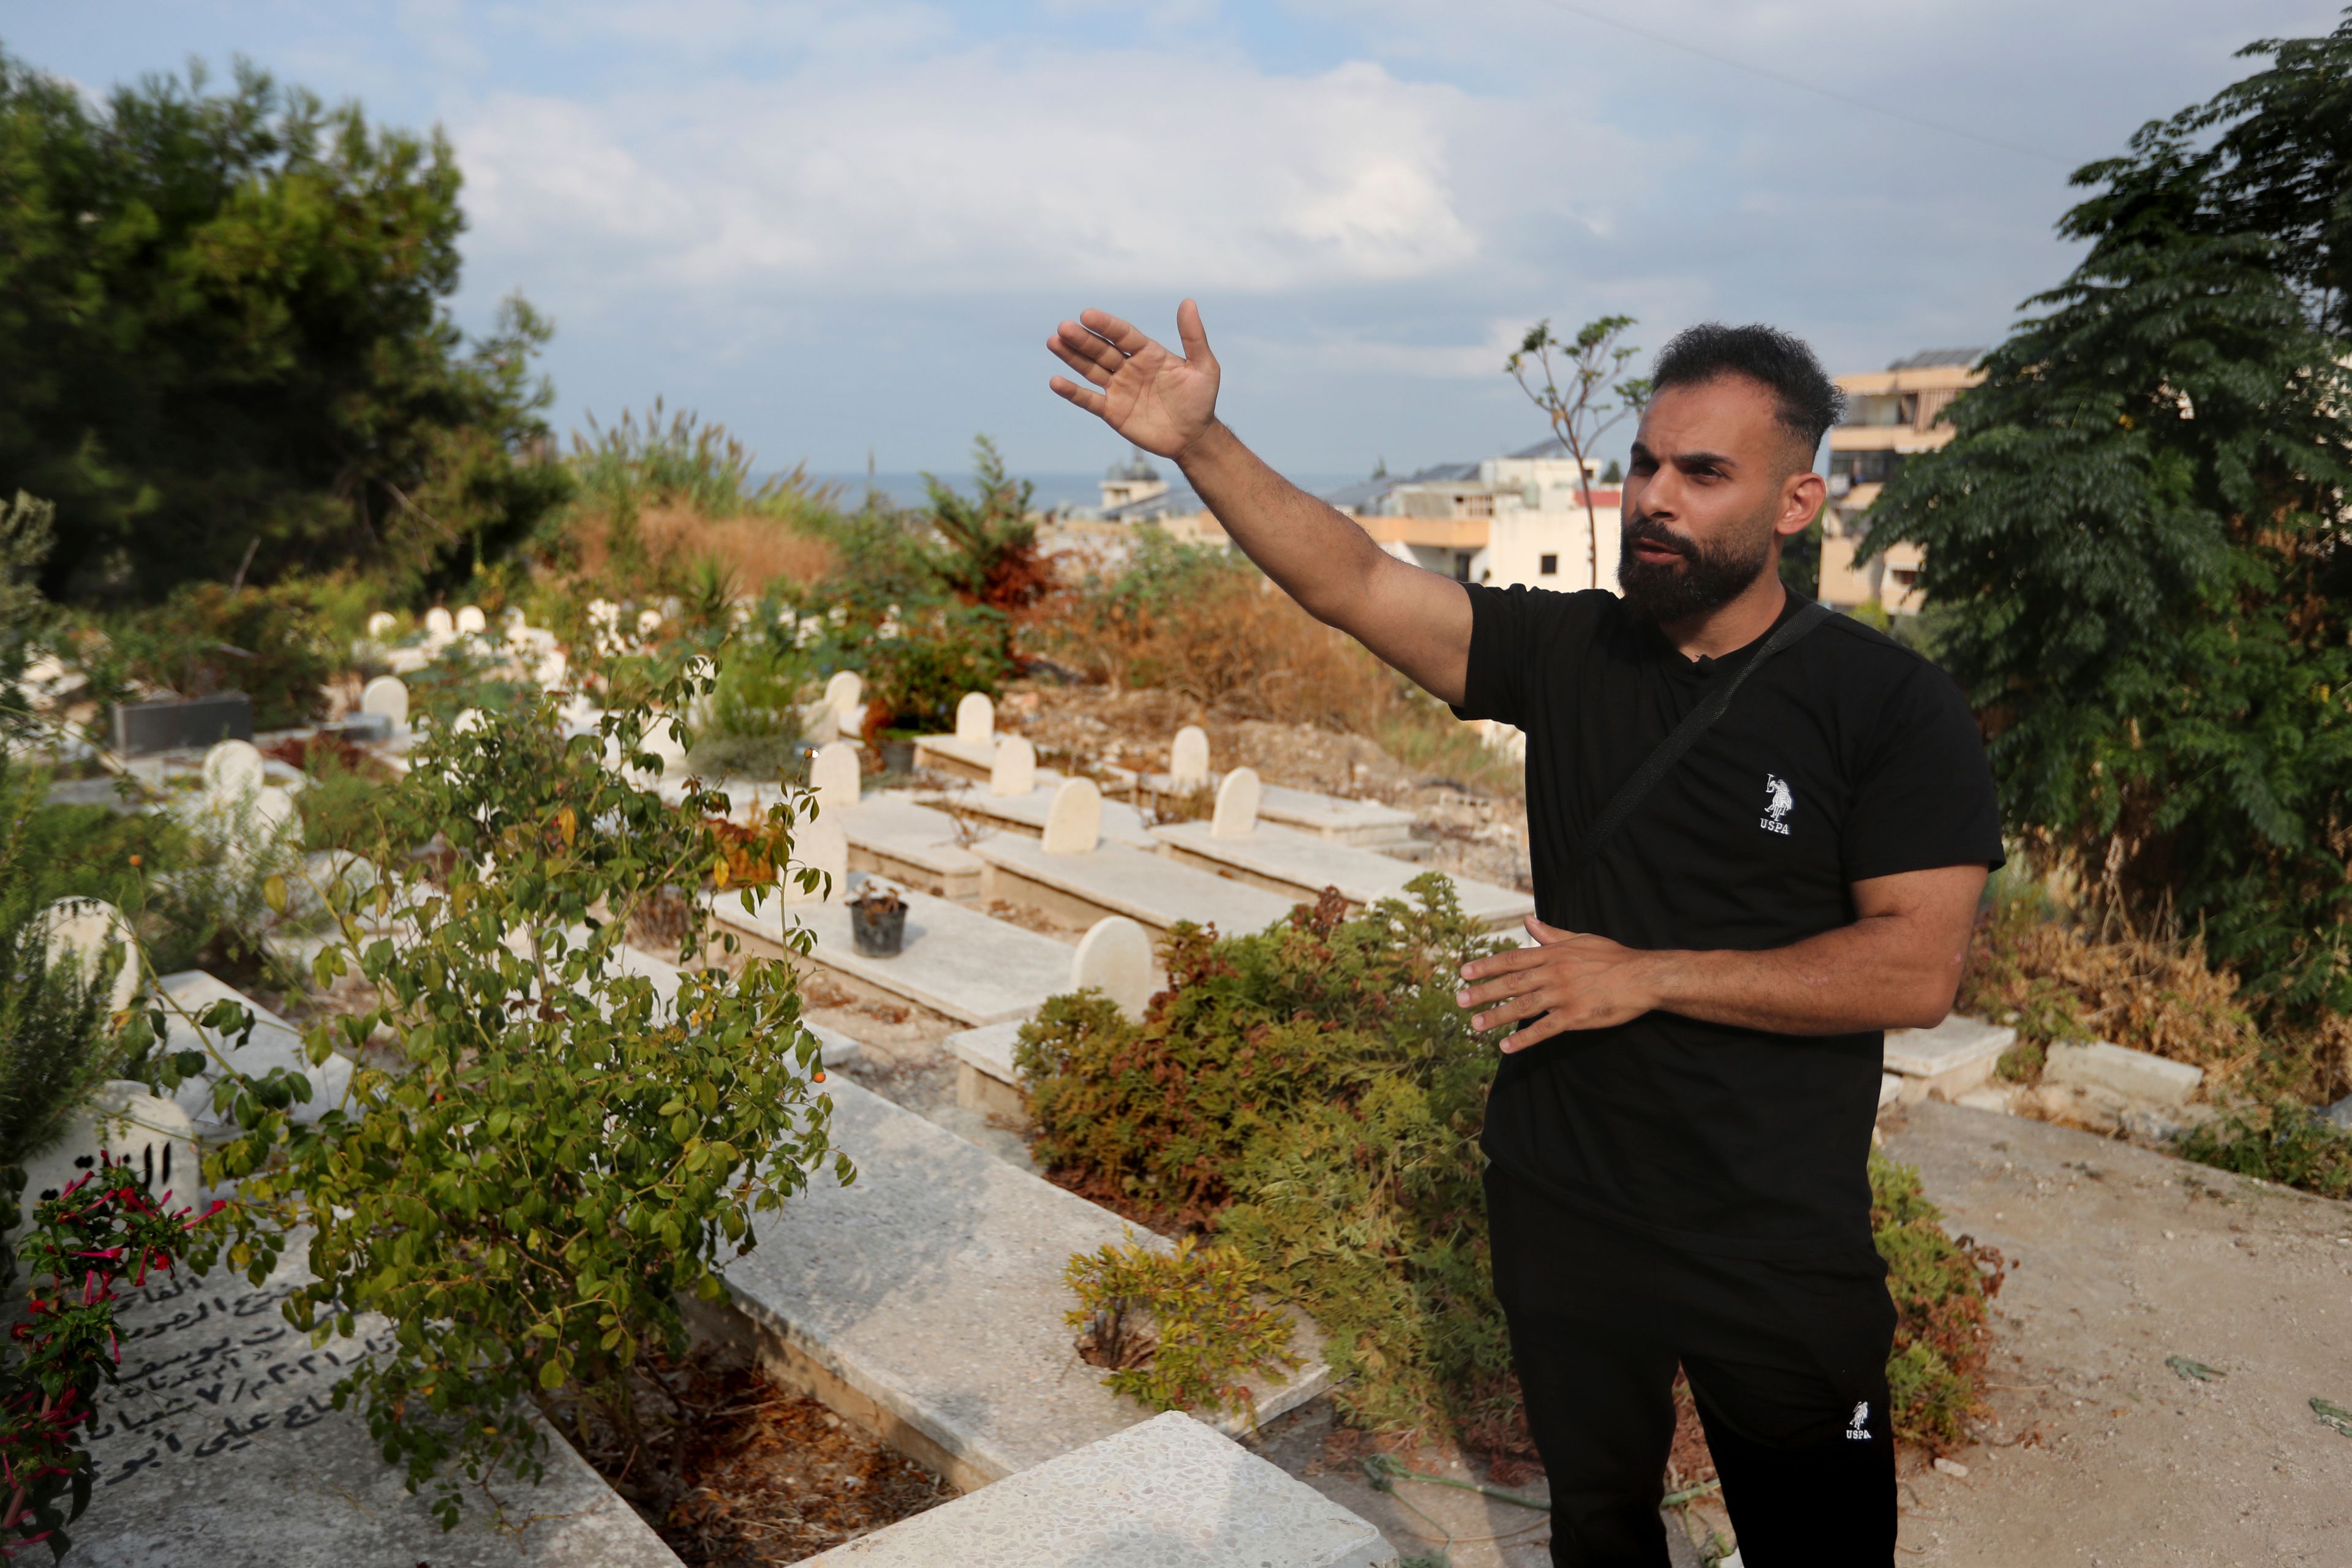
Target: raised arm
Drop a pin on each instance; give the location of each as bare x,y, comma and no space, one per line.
1167,404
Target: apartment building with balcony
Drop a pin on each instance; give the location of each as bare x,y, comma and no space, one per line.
1892,417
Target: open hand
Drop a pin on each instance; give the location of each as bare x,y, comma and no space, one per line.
1569,980
1162,402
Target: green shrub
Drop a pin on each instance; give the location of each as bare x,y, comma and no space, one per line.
1206,1330
56,1044
1936,1375
561,1156
2286,1143
919,677
269,644
1310,1096
754,723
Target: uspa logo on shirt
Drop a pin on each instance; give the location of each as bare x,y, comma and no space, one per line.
1778,802
1857,1429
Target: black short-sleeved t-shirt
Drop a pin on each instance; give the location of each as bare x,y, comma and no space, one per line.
1846,756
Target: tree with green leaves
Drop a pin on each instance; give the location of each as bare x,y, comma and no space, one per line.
2137,543
1581,412
225,345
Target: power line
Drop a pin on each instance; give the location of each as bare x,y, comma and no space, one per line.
1801,85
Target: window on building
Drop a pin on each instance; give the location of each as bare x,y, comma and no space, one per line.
1547,565
1462,566
1865,467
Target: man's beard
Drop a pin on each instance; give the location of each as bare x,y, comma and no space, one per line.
1703,580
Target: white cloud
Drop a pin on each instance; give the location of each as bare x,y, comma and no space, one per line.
981,172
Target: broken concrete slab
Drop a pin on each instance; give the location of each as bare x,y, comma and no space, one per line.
221,1444
851,1290
954,961
1946,1061
1165,1493
1121,879
1299,865
2120,1070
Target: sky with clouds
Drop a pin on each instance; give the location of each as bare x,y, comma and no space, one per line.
849,225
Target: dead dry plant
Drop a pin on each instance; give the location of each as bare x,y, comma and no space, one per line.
759,550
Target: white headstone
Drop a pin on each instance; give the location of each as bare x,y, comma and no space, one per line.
1187,759
276,820
233,770
387,695
381,624
88,928
1115,958
1015,772
514,618
439,622
468,720
1074,822
833,774
823,846
820,723
154,1135
1237,798
554,670
975,717
845,695
471,619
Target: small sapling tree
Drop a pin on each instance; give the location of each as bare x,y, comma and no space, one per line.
540,1152
1580,412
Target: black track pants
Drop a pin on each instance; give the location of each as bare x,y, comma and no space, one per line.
1788,1366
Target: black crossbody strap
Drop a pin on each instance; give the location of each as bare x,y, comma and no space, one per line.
1697,722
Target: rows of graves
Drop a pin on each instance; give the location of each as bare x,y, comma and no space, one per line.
924,1300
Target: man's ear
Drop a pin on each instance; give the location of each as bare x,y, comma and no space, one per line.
1802,497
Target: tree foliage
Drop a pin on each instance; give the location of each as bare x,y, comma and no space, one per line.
556,1148
224,342
2140,532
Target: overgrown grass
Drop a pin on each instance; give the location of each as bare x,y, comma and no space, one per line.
2281,1142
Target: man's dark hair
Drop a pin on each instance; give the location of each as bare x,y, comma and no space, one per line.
1804,398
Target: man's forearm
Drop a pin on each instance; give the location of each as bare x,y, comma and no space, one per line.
1413,620
1316,555
1867,975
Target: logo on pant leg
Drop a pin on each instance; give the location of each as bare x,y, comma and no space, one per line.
1858,1429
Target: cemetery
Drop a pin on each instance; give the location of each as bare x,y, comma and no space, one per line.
606,1004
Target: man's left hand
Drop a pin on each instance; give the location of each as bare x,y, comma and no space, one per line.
1569,980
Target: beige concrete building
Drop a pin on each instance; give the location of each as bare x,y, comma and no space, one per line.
1515,519
1891,417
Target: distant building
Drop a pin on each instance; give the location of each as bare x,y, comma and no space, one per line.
1131,482
1891,417
1517,517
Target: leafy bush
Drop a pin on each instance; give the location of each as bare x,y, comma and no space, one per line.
2285,1143
2139,525
1178,1330
27,531
754,721
987,553
56,1042
1940,1287
916,680
1310,1097
563,1154
104,1228
206,638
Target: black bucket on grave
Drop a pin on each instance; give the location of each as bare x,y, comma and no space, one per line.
877,926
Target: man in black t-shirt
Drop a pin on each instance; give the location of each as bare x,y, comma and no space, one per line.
1679,1132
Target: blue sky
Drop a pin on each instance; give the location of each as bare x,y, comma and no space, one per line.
843,224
